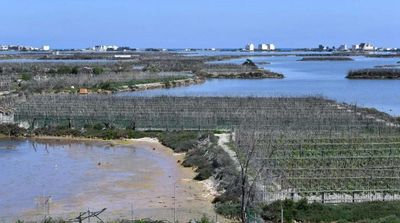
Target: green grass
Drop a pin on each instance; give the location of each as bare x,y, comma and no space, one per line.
26,77
388,211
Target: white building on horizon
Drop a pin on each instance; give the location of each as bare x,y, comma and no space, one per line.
250,47
266,47
263,47
46,48
355,47
271,46
367,47
103,48
363,47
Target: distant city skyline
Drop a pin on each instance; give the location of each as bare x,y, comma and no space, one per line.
199,24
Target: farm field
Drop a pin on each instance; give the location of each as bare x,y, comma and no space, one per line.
308,147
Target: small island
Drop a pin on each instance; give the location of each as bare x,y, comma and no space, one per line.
377,73
247,70
326,58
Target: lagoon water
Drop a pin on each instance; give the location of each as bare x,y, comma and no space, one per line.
137,176
304,78
80,175
31,169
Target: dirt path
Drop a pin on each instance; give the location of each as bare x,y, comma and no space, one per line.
223,140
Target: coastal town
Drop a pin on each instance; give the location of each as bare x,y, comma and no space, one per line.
366,47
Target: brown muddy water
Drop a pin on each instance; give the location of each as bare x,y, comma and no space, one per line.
133,179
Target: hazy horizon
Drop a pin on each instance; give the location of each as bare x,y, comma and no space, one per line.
205,24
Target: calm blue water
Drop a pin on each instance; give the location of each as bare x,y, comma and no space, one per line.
323,78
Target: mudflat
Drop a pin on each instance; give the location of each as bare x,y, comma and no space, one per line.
128,177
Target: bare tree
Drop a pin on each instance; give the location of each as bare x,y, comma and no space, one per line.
253,160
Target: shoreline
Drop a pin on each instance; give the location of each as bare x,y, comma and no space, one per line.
160,85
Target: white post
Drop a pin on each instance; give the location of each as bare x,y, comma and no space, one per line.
132,212
175,202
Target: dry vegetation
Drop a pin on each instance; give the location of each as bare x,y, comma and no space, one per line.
326,58
236,71
101,71
194,112
377,73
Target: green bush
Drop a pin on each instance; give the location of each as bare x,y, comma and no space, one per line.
98,70
204,219
108,86
229,210
388,219
375,212
63,70
57,131
204,172
152,68
11,130
26,77
167,84
195,158
249,63
98,126
75,70
180,141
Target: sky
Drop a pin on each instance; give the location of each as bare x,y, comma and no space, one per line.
199,23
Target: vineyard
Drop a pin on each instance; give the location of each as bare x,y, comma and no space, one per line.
307,114
305,146
359,167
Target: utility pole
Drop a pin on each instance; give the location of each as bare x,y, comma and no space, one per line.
132,212
175,202
216,215
281,213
